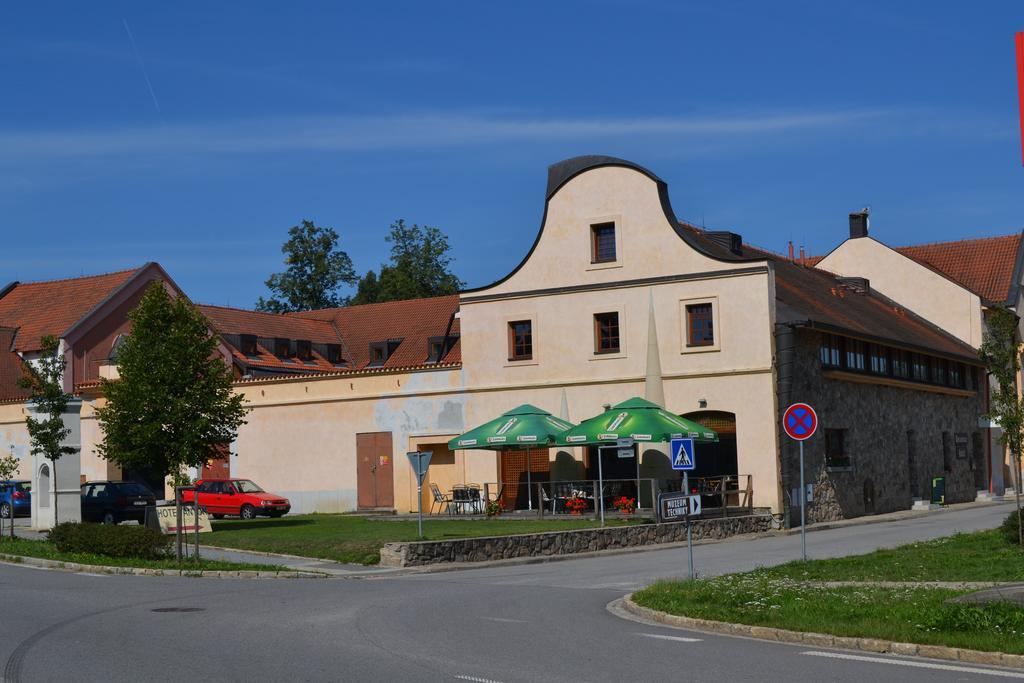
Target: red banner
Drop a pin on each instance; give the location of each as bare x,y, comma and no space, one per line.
1020,87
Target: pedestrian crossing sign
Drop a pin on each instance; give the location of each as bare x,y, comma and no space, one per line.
682,454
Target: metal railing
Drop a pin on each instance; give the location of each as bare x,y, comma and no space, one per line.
724,495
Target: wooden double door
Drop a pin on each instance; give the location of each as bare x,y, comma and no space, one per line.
375,469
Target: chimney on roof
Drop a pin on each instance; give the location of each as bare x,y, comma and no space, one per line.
730,240
803,257
859,223
791,250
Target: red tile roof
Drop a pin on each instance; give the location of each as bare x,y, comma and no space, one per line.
38,309
412,321
236,321
805,294
11,368
984,265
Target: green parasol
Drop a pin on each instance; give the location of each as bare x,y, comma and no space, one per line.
520,428
637,419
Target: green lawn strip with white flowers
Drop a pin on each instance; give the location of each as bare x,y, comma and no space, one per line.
797,596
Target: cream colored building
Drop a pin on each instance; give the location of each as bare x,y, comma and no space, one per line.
616,298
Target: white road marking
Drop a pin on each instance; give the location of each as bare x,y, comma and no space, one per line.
505,621
919,665
680,639
474,679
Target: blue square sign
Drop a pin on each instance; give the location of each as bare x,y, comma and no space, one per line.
682,454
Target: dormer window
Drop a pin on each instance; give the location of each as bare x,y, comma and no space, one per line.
380,352
247,345
282,347
332,352
304,350
438,347
602,243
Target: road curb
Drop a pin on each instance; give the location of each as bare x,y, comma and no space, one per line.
779,635
77,568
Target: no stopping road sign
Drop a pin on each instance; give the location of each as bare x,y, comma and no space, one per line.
800,421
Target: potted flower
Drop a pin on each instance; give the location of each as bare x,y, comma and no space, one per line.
494,508
576,505
626,506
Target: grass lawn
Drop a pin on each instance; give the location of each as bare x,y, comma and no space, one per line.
46,551
781,598
981,556
348,538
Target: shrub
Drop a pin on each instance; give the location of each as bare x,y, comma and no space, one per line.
1010,528
109,539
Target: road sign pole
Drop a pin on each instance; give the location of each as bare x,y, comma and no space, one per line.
419,491
600,483
689,536
803,508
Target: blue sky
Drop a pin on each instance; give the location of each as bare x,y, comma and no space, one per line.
195,134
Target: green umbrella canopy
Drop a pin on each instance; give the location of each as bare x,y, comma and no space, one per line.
637,419
520,427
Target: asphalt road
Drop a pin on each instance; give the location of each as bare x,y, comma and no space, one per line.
543,622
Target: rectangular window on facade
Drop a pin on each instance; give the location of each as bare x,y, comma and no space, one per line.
520,340
855,355
602,243
606,333
829,351
835,448
700,327
879,360
956,375
939,371
919,367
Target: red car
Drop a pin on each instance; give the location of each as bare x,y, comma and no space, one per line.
238,497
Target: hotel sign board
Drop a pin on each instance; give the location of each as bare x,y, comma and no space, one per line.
167,518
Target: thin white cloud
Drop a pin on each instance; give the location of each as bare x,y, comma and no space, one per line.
430,130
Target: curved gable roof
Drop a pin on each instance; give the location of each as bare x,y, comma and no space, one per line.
561,173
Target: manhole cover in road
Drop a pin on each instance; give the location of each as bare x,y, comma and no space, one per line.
178,609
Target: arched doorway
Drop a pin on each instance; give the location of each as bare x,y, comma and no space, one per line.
42,491
716,459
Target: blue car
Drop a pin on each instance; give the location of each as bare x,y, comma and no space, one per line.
16,497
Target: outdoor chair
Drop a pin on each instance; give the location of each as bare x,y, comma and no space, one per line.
475,501
461,499
442,501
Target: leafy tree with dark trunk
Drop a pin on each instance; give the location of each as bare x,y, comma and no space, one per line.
419,267
172,403
45,381
317,268
999,352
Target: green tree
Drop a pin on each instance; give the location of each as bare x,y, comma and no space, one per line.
45,381
316,271
173,399
419,267
999,353
8,469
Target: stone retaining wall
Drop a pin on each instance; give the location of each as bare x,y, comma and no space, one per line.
564,542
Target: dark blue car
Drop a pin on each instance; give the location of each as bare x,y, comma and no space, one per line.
15,496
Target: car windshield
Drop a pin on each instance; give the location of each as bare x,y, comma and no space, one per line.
133,489
246,486
23,486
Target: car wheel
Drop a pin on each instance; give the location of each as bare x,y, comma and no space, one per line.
5,510
248,512
108,518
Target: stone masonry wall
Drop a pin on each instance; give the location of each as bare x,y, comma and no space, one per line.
564,542
877,420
